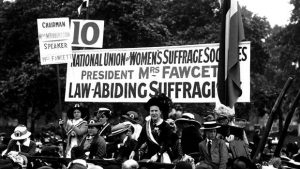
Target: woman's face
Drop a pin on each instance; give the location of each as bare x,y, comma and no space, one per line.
102,119
155,113
77,114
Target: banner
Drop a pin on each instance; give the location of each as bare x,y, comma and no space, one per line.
54,40
187,74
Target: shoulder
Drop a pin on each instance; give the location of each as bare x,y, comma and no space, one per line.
220,141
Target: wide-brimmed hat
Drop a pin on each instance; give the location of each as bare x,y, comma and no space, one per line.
132,116
188,118
119,128
162,101
210,125
20,133
83,110
103,110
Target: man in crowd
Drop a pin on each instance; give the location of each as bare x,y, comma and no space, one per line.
213,151
94,143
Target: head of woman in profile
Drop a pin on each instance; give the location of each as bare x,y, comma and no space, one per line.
158,107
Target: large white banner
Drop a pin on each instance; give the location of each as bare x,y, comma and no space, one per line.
54,40
187,74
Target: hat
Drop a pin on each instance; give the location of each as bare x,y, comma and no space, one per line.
119,128
102,110
92,123
132,116
210,125
188,118
20,133
84,111
162,101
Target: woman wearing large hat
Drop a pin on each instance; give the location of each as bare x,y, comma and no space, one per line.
132,118
20,142
75,127
156,132
189,133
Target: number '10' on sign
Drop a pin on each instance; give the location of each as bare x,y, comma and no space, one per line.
87,33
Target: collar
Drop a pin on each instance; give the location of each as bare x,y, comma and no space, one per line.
26,142
125,139
207,140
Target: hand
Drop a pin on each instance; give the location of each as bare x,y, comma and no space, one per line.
154,158
132,154
61,122
69,123
13,153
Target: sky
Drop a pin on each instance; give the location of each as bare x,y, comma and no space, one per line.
276,11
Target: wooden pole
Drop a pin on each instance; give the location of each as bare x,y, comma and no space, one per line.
60,107
262,141
286,125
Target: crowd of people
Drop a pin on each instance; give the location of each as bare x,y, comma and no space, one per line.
169,137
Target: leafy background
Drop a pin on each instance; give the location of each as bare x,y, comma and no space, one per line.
29,91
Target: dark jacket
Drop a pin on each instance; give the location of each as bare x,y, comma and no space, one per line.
25,150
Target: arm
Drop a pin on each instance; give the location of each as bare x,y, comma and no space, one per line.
81,129
141,140
9,146
31,152
166,138
101,148
223,155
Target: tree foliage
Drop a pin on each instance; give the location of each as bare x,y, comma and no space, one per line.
26,85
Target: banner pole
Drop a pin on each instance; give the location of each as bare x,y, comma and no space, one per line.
60,106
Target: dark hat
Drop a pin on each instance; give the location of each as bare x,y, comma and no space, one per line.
93,123
162,101
210,125
188,118
102,110
132,116
119,128
83,110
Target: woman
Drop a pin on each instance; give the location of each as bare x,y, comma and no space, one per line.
156,132
75,127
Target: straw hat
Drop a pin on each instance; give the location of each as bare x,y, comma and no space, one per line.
20,133
119,128
210,125
188,118
102,110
